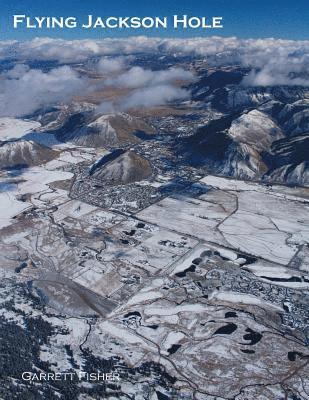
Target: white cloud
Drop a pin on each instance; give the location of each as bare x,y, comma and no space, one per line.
17,72
154,96
268,77
145,97
272,62
217,49
70,51
24,90
150,88
140,77
107,65
279,69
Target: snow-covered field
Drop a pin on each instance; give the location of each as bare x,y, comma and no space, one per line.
246,217
187,279
30,182
12,128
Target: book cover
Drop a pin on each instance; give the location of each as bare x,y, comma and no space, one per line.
154,203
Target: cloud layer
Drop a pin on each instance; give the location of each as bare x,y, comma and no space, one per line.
107,65
139,77
24,90
145,97
150,88
273,61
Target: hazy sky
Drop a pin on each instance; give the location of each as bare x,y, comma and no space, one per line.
288,19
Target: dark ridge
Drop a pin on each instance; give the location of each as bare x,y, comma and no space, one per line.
230,314
247,351
226,329
143,136
209,144
23,198
288,114
286,308
22,266
288,151
105,159
197,261
253,336
161,396
15,167
174,348
182,274
131,233
216,80
173,186
70,355
149,367
293,354
292,279
132,314
206,253
153,326
249,259
76,120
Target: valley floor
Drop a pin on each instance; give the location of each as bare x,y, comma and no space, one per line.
202,294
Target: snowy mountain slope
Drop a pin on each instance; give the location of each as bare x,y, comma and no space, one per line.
255,129
24,153
87,129
125,168
262,132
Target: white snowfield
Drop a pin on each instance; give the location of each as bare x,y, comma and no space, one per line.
10,207
172,338
241,298
268,222
12,128
31,181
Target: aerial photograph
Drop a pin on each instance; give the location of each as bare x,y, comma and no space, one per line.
154,200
